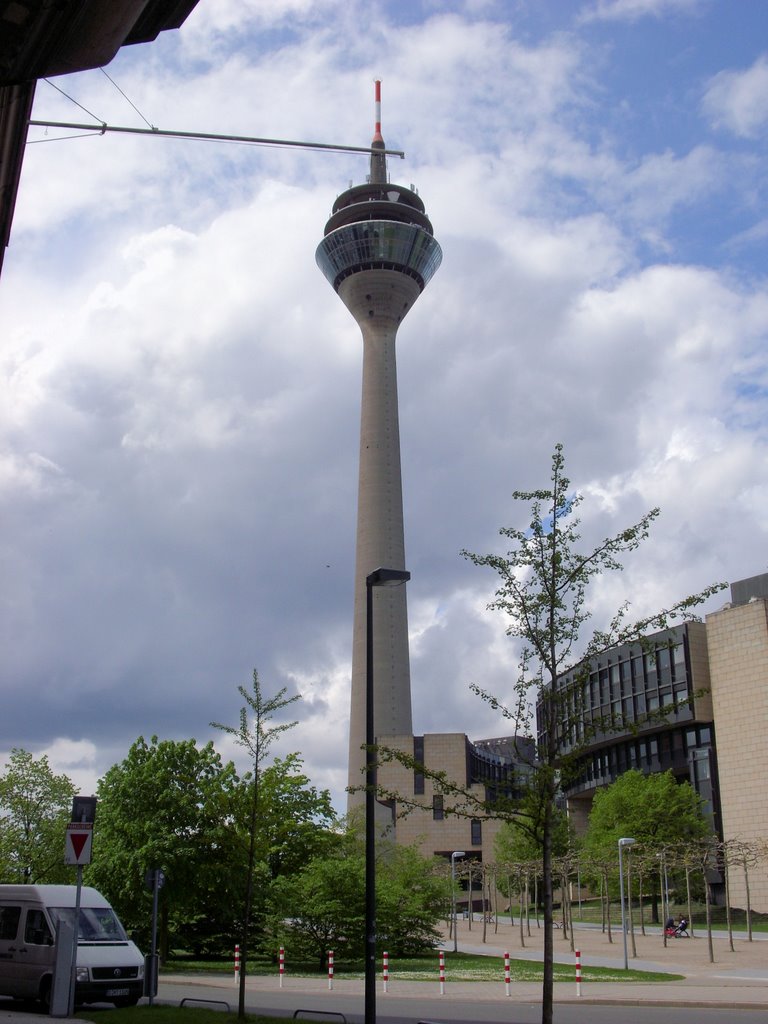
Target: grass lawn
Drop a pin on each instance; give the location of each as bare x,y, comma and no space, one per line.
591,914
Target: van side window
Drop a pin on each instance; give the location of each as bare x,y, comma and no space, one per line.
9,922
36,930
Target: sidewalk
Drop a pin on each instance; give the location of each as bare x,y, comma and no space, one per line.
737,978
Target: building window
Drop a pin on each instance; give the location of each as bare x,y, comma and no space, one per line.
437,807
476,832
418,756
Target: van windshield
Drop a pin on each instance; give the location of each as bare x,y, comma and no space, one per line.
97,924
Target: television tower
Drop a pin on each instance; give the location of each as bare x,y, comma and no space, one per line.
379,252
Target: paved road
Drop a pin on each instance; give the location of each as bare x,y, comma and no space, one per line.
457,1005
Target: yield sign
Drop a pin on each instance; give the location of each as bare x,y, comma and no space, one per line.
77,849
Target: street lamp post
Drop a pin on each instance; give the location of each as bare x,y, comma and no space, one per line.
454,855
622,844
377,578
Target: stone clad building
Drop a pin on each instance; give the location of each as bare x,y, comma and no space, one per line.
737,637
705,686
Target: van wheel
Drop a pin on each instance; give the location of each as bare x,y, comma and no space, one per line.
45,992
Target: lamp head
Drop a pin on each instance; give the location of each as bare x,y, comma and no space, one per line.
627,842
387,577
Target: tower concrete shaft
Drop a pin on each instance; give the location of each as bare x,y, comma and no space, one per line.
379,253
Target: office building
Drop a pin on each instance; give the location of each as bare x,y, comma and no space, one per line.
692,699
737,637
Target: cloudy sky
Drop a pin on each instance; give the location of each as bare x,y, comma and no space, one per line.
179,424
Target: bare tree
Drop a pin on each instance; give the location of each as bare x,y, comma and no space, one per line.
543,586
256,736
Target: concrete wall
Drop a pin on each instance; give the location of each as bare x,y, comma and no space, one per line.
445,752
738,661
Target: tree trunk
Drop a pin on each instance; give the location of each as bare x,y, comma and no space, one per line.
728,918
607,904
469,898
522,912
629,906
547,993
708,906
640,883
244,952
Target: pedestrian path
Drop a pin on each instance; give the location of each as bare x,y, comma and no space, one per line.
737,978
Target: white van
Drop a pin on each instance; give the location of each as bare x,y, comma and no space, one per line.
110,969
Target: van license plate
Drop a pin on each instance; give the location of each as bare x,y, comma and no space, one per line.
117,992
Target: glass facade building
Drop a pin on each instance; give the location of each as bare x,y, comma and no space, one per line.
645,706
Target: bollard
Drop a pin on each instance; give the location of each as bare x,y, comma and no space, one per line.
385,969
442,973
282,964
330,968
578,972
237,964
507,978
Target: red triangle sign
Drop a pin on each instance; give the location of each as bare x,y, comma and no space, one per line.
77,849
78,840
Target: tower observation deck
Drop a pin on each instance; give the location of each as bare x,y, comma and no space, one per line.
379,253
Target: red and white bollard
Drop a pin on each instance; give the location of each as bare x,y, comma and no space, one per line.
442,973
237,964
385,969
282,964
330,968
507,977
578,972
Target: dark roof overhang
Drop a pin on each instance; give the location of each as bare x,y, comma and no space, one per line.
43,38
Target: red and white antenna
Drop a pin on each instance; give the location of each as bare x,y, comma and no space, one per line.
378,159
377,137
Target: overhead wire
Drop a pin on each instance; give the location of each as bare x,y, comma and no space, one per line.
126,98
73,100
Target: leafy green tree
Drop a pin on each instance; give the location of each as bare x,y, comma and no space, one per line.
521,839
412,896
322,907
293,820
35,806
654,809
168,805
294,817
544,582
255,736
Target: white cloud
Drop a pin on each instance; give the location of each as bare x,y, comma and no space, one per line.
180,432
737,101
633,10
